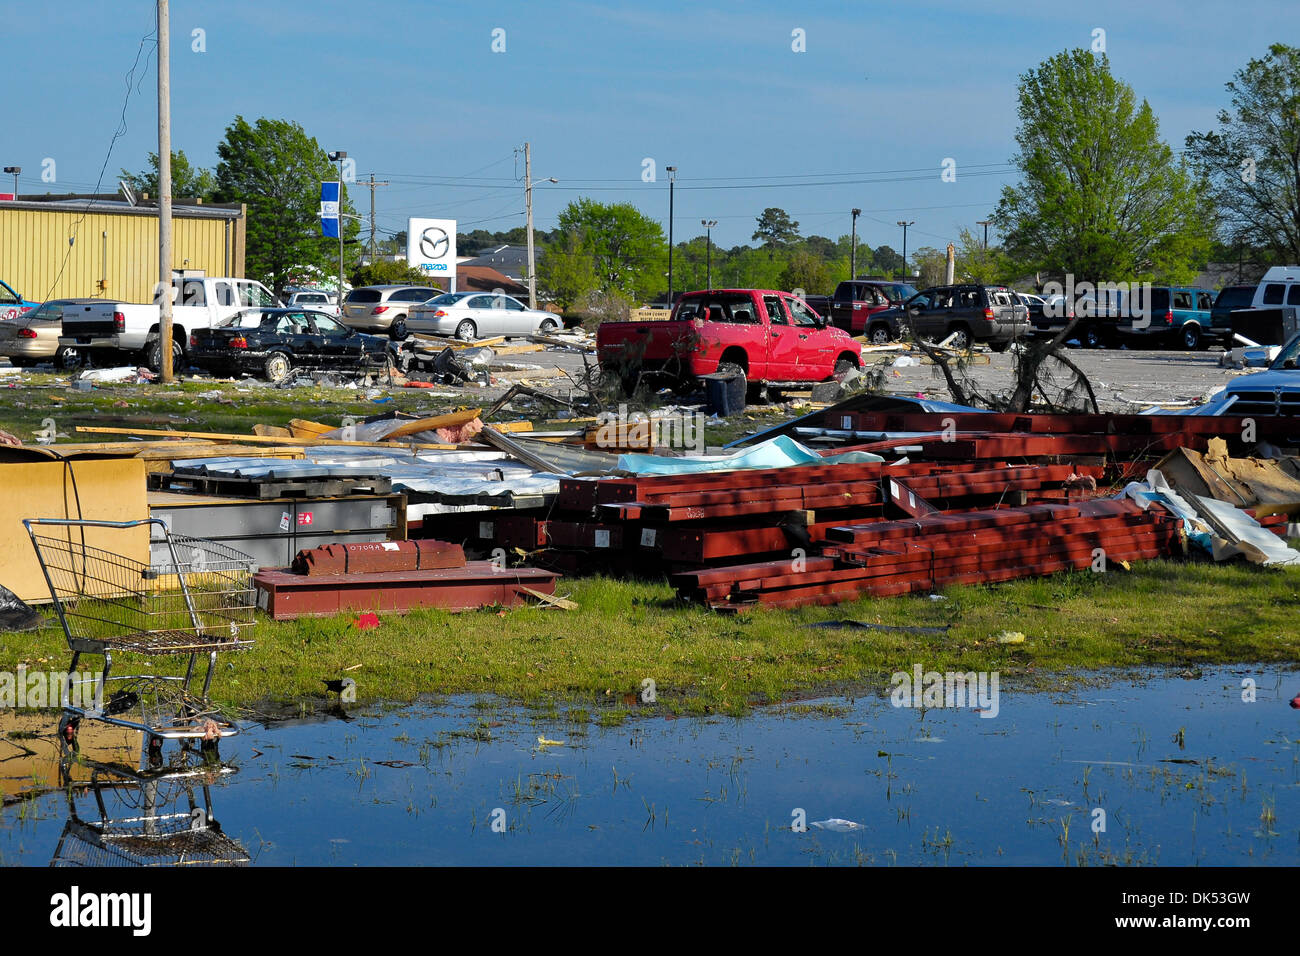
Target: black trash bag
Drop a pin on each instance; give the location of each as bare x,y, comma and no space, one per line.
15,613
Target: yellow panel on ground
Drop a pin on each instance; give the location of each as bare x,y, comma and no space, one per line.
104,490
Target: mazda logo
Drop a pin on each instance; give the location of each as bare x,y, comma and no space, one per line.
434,242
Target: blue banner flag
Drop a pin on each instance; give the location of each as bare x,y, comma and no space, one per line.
329,210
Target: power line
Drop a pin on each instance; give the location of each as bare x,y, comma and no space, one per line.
117,134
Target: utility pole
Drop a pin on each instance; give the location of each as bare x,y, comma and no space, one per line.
164,193
708,225
372,184
672,181
985,224
528,205
853,243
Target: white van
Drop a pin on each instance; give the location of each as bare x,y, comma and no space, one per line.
1280,286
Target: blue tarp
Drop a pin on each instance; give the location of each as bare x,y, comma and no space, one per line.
780,452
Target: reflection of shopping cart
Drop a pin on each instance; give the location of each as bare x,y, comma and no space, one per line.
194,599
147,819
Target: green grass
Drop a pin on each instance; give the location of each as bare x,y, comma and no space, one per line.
1162,613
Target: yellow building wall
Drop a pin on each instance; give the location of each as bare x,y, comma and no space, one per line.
38,262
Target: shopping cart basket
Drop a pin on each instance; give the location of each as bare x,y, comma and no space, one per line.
194,598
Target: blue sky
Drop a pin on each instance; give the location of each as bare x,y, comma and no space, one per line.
414,92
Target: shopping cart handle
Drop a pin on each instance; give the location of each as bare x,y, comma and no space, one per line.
88,523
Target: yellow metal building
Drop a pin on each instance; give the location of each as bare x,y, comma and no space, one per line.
114,247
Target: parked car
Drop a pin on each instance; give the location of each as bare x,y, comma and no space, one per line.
855,302
384,308
274,342
1273,315
1175,315
968,313
769,338
11,303
477,315
318,300
1229,299
33,337
116,331
1275,391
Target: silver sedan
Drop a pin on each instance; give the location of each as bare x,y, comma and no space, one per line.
477,315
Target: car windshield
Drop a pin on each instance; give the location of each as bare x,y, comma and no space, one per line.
1290,353
449,298
897,292
47,312
1235,297
251,319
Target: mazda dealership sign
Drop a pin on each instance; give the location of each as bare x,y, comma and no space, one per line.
431,246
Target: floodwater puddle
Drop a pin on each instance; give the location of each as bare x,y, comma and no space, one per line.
1155,770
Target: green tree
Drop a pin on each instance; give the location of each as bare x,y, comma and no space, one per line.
627,248
1252,160
276,169
804,270
886,261
975,263
1100,195
775,228
188,181
931,265
566,272
390,272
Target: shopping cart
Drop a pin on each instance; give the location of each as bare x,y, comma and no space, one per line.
193,597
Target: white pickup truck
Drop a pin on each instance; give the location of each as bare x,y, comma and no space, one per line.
125,331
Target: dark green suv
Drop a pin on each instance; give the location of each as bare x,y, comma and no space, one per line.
969,313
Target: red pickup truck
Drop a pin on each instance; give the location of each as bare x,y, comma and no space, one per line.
773,338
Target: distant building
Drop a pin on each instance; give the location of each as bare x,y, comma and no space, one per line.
511,261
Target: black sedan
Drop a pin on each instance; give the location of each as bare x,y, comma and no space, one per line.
274,342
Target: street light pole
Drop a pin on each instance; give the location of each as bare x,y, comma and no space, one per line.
905,225
853,244
672,181
708,225
14,170
985,224
337,157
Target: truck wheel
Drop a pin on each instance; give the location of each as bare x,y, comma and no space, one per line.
1192,340
153,356
879,335
68,357
1093,339
277,367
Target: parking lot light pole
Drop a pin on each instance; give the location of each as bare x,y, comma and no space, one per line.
905,225
853,243
985,224
672,181
708,225
14,171
337,157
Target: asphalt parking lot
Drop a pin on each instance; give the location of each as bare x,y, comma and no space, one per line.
1124,380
